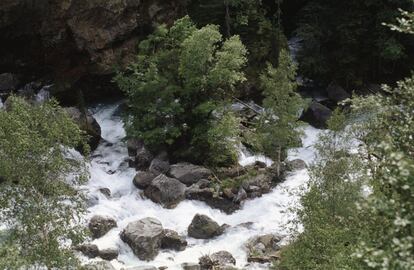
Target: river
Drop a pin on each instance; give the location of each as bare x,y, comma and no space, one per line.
109,169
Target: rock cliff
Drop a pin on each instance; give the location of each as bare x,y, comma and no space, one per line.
73,40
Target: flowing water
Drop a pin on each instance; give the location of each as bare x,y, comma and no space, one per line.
109,169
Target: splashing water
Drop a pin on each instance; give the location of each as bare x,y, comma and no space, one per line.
109,169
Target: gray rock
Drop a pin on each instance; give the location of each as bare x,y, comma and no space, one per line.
241,195
188,173
144,237
143,179
89,250
222,258
263,249
166,191
205,263
317,115
109,254
88,124
296,165
106,192
143,158
100,225
159,166
203,227
203,183
260,184
209,196
260,164
190,266
103,265
172,240
133,145
337,93
228,193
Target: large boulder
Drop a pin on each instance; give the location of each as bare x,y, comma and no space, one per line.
133,145
188,173
144,237
89,250
143,179
203,227
296,165
190,266
159,165
202,192
109,254
87,123
219,260
143,158
256,185
263,249
317,115
172,240
166,191
337,93
100,225
222,258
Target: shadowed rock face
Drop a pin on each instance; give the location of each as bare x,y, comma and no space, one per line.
76,38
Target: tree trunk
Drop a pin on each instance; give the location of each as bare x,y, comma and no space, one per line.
227,18
279,150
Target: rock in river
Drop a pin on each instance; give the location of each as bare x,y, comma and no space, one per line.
189,174
203,227
144,237
172,240
100,225
166,191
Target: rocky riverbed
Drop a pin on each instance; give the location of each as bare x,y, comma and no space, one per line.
133,227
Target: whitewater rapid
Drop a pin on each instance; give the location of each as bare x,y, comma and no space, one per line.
109,169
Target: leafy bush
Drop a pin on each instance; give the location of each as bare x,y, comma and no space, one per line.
39,203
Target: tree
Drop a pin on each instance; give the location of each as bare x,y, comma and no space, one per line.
389,139
277,126
328,213
181,77
250,19
390,149
223,139
348,228
39,202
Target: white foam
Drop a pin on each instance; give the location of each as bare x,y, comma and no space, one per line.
269,213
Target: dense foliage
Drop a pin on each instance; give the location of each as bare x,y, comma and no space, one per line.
181,88
37,198
361,217
346,41
332,226
182,84
391,204
256,22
